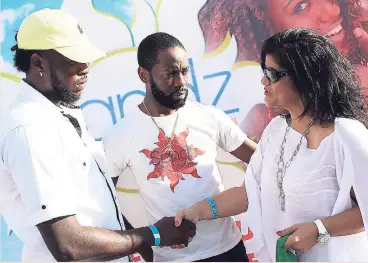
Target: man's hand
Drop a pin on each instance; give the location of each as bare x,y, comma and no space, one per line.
175,235
302,236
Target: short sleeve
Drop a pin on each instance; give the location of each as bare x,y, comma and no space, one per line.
229,135
115,150
34,158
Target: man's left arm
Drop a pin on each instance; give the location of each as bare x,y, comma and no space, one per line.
245,151
232,139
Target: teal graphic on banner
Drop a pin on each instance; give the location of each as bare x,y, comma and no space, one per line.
11,246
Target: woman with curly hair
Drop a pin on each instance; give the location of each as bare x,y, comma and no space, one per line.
307,181
250,22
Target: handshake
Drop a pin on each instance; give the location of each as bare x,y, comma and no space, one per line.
177,231
170,234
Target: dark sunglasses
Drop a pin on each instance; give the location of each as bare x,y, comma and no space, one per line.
273,75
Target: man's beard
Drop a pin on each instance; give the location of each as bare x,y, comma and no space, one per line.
60,92
168,101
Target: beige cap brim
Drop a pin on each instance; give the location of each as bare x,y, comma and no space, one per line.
82,53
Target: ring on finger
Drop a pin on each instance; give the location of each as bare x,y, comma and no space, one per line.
292,251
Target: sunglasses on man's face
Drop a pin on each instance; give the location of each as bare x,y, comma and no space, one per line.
273,75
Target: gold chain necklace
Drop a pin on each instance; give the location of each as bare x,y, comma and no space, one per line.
169,144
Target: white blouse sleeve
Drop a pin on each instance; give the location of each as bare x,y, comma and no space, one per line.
251,220
353,136
255,164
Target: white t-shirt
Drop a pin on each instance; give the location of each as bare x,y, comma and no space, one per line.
167,182
316,184
47,170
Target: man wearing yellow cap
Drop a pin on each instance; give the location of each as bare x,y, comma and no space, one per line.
54,193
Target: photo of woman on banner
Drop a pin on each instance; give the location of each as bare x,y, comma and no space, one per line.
250,22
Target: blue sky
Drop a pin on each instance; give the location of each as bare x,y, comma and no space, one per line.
13,12
12,15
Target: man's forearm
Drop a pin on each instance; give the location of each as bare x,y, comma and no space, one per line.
245,151
146,251
107,246
127,242
97,244
67,240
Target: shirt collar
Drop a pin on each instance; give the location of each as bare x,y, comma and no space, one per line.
30,94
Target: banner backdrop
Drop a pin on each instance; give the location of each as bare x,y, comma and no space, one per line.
223,39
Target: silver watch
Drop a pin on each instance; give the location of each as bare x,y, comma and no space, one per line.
323,235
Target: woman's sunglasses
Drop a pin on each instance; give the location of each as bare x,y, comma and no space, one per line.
273,75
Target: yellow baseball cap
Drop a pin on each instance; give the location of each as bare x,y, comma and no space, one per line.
58,30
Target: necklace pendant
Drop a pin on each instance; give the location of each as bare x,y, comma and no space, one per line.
282,199
282,202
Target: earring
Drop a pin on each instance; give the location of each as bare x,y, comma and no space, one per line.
41,74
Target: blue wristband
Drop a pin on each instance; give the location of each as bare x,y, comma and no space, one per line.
213,208
156,235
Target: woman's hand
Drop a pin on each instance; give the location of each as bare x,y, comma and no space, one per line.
192,214
302,236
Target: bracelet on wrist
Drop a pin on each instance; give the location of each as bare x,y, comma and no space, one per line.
156,235
213,207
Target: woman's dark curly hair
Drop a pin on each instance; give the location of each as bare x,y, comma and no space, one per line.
325,79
